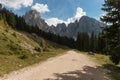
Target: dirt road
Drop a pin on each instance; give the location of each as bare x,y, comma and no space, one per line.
70,66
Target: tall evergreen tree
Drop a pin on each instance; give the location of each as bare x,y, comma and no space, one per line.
82,42
112,32
92,42
101,44
8,16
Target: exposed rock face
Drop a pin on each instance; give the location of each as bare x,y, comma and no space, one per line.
59,29
33,18
85,24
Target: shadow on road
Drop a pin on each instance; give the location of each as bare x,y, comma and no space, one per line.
88,73
114,71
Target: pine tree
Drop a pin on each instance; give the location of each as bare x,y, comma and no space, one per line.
112,32
82,42
8,16
101,44
92,42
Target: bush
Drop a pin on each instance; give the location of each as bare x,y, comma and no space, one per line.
13,47
14,34
23,56
115,59
38,49
6,30
45,49
115,56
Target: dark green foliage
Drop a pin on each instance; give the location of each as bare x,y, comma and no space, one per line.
14,34
112,32
23,56
83,42
101,44
114,59
94,43
8,16
6,30
12,47
38,49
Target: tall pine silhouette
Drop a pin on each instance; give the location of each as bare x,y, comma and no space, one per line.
112,32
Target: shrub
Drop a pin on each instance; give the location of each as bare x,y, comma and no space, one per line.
115,59
23,56
6,30
38,49
45,49
14,34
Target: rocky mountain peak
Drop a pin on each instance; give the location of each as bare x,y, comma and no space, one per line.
85,24
33,18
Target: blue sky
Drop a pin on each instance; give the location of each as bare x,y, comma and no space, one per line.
60,10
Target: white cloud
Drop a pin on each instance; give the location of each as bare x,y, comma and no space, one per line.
42,8
54,21
79,13
16,4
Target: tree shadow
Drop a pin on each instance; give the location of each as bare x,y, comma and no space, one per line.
88,73
114,71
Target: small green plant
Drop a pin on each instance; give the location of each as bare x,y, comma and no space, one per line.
38,49
45,49
14,34
5,39
6,30
23,56
3,34
12,46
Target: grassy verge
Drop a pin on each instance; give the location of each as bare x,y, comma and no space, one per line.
114,70
17,48
14,62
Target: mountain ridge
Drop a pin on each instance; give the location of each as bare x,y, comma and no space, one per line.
85,24
33,18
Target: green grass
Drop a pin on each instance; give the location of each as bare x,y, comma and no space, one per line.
107,64
102,59
11,41
10,63
15,49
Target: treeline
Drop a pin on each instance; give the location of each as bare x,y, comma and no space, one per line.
112,33
84,42
18,22
94,43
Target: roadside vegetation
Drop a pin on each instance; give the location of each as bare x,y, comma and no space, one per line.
20,49
105,62
114,70
10,63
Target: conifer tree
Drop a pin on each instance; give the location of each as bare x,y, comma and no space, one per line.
112,31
